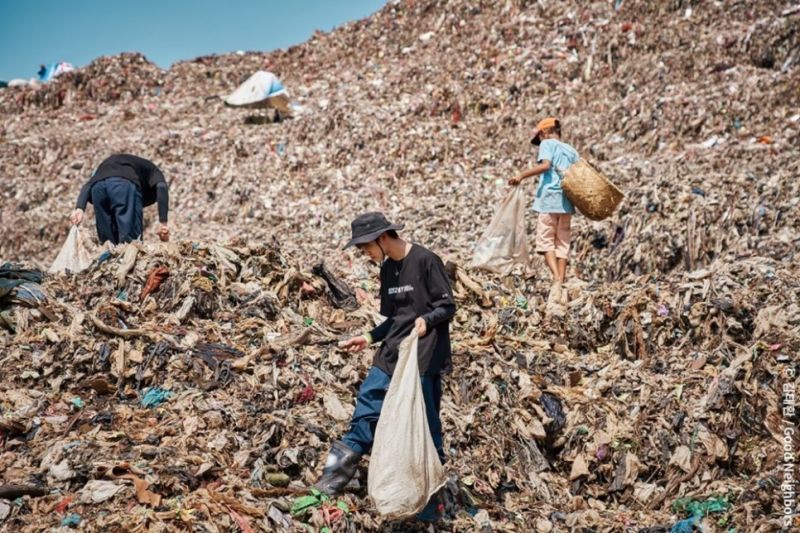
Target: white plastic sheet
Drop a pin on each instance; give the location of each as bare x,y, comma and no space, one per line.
505,241
404,468
262,89
73,257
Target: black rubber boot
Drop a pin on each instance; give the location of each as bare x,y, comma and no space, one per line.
433,511
340,468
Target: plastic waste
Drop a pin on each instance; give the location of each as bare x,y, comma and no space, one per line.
155,396
73,257
504,243
404,469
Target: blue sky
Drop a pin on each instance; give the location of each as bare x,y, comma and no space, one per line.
33,32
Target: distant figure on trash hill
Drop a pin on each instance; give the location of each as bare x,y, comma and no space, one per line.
415,293
554,208
119,189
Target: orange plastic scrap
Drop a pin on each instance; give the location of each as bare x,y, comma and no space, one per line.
154,280
765,139
61,506
331,514
143,495
241,521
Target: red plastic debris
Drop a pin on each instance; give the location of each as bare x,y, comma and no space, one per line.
61,507
305,395
154,280
456,116
331,514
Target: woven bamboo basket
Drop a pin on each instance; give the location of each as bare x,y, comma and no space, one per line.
591,192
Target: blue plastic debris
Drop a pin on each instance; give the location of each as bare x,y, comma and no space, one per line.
71,520
684,526
155,396
29,293
698,191
77,402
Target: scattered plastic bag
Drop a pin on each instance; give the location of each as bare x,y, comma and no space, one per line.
505,241
404,468
73,257
98,491
30,294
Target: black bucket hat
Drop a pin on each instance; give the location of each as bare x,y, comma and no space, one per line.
369,227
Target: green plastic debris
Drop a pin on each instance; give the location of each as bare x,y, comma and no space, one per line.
689,506
343,506
521,302
308,321
302,504
77,402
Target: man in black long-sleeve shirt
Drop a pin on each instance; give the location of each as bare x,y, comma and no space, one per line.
119,189
415,293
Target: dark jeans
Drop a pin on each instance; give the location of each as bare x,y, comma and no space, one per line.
117,210
369,404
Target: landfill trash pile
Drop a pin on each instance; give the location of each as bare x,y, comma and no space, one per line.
200,386
106,79
425,109
197,384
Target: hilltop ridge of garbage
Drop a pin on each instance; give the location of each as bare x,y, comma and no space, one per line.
424,109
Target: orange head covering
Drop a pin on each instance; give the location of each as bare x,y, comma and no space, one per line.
545,123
